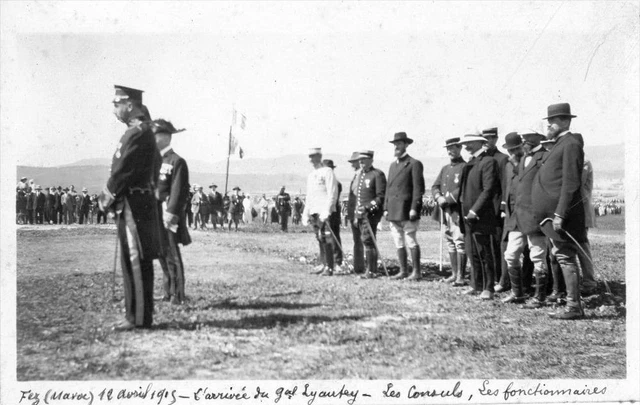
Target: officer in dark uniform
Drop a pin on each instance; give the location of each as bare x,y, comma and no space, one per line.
498,248
372,184
283,205
358,248
446,193
130,192
173,193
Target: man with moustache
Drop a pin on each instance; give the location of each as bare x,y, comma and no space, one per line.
403,205
479,184
556,192
173,193
130,192
491,135
322,194
358,247
446,193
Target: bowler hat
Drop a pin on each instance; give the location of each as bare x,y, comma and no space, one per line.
512,140
490,132
559,110
165,127
354,157
127,93
315,151
451,142
401,137
365,154
472,138
328,163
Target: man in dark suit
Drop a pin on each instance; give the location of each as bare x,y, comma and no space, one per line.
403,205
85,206
556,192
479,184
370,191
57,207
173,193
491,135
358,247
31,205
49,214
130,191
215,204
446,192
40,201
283,205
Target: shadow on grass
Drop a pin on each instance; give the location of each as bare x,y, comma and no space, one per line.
228,304
254,322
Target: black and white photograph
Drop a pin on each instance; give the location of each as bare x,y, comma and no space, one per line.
324,202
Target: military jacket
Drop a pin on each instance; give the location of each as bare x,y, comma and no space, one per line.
173,189
283,204
447,184
371,187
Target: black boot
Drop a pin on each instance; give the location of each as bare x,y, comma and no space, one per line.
358,258
539,298
573,310
453,257
328,254
515,277
415,260
462,267
402,258
371,257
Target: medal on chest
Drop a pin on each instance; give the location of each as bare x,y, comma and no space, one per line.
118,154
367,182
456,178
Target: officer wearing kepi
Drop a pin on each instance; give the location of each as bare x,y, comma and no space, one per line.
173,193
130,192
371,186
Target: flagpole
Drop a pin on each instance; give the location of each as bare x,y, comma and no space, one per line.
226,181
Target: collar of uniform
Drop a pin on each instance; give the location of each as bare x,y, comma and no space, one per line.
363,170
165,150
404,155
479,152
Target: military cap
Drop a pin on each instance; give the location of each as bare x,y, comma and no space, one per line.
472,138
559,110
401,137
127,93
315,151
512,140
452,141
329,163
354,157
490,132
165,127
365,154
530,132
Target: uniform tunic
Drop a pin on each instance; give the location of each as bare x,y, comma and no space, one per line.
370,192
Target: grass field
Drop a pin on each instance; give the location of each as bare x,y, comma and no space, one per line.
255,312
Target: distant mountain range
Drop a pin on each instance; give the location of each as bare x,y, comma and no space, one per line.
258,176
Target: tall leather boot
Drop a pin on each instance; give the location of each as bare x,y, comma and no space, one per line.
573,310
462,268
402,258
540,293
371,257
415,260
515,277
328,254
358,258
454,268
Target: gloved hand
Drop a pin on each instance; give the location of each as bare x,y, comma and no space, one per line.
413,215
557,223
442,202
471,218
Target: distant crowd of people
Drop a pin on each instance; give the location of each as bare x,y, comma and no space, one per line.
610,207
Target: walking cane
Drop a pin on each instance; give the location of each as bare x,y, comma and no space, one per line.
335,238
115,264
375,244
441,226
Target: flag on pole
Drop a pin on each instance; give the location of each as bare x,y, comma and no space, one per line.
233,145
243,121
241,153
234,117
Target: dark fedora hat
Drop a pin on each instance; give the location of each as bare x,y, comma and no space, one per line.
452,142
328,163
161,126
512,140
559,110
236,188
401,137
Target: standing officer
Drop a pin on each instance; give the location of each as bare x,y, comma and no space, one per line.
322,193
335,221
215,205
358,247
371,186
478,187
403,204
556,192
497,249
446,192
130,192
283,205
173,193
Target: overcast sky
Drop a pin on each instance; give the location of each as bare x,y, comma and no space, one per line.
342,76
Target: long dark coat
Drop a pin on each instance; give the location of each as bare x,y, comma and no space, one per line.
527,222
479,184
405,187
173,188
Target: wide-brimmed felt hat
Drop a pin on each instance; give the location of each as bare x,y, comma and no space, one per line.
327,163
512,140
452,142
213,185
559,110
472,138
490,132
354,157
365,154
236,188
401,137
